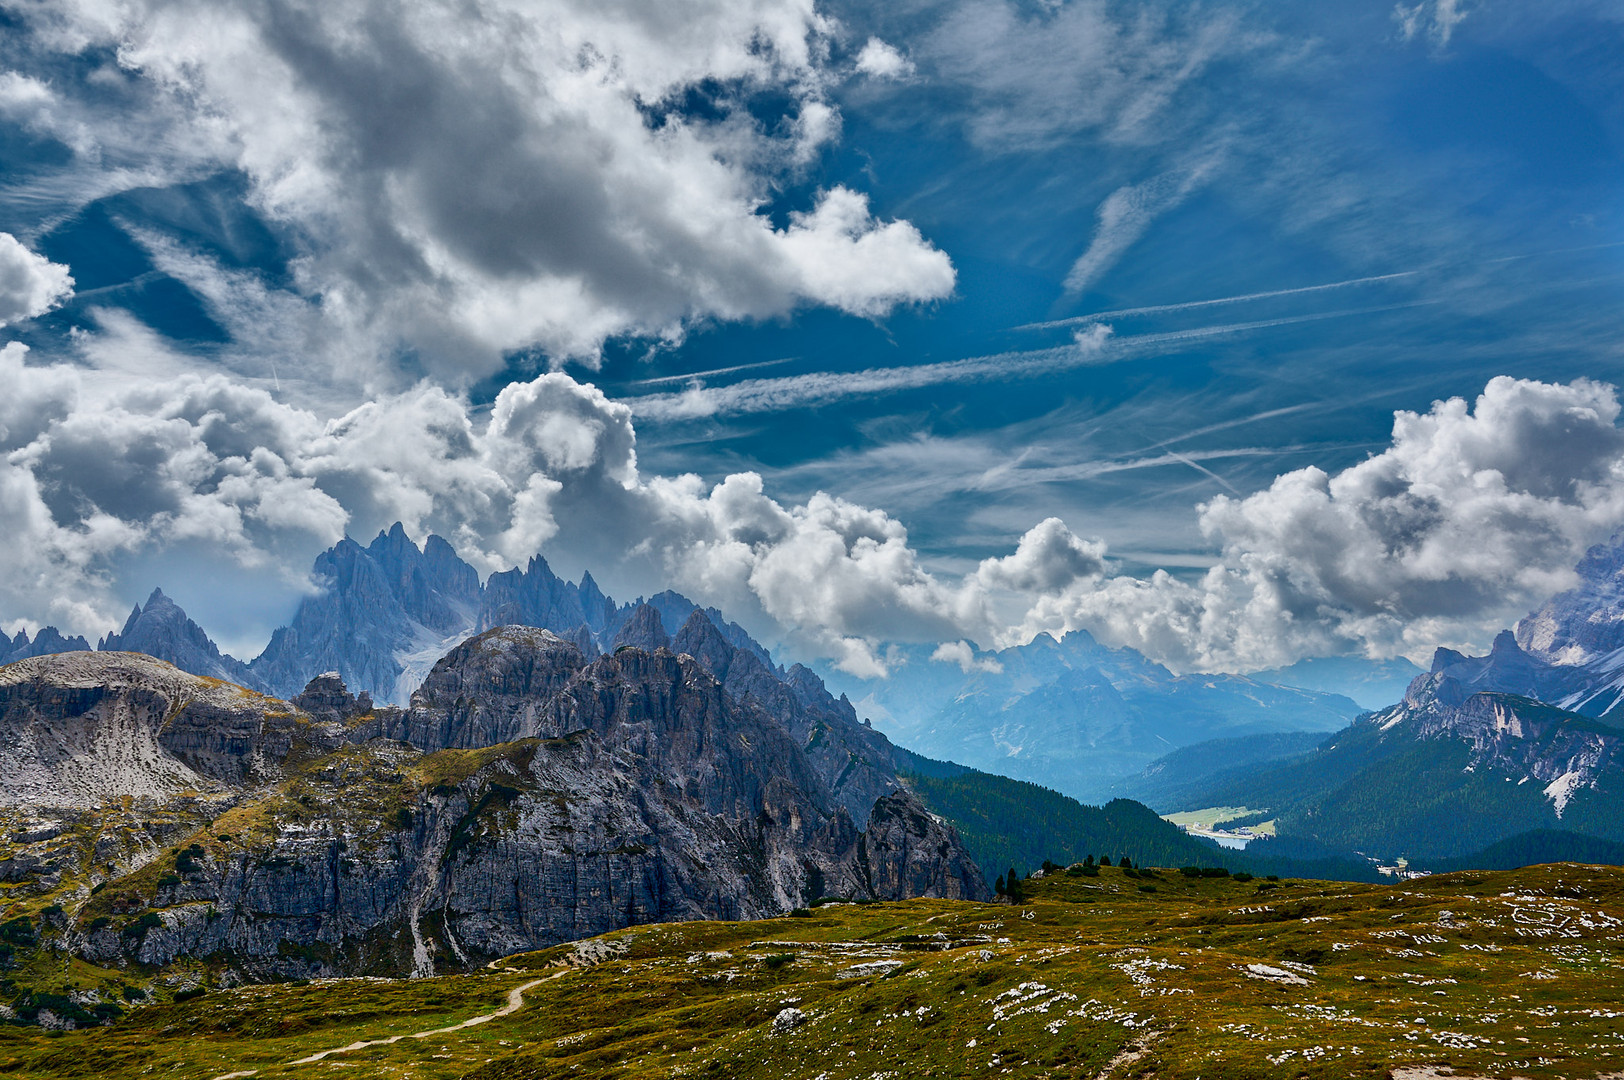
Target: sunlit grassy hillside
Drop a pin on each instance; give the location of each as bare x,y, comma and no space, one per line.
1494,974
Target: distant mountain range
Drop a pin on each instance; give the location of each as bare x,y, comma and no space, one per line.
381,617
1373,684
1480,749
1517,751
1075,715
1071,714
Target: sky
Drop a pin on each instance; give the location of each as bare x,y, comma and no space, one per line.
1235,332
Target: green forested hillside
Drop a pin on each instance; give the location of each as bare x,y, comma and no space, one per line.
1006,823
1535,848
1367,790
1181,779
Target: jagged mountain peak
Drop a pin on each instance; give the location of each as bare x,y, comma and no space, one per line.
1586,623
644,630
48,641
161,628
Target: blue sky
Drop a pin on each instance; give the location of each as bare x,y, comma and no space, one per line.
962,267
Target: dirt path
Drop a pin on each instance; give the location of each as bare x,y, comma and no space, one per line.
515,1002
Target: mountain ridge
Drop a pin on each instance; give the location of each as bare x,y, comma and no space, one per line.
529,796
1075,715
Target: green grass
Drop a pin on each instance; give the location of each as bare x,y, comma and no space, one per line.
1210,818
1516,972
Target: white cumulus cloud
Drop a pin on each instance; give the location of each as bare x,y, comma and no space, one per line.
30,284
467,180
1474,514
879,60
961,653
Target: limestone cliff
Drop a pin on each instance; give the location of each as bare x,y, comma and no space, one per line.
529,796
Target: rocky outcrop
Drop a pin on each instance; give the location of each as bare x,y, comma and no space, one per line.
857,763
907,851
643,630
326,698
528,797
87,729
491,689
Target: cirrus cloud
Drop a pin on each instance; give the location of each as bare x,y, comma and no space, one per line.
1474,513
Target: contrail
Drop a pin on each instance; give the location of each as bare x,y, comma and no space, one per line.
1191,304
993,480
820,388
1204,471
708,374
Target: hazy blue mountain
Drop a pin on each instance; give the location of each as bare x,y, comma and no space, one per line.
161,629
1075,715
1374,684
47,642
1171,782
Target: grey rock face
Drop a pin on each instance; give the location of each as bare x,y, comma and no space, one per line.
528,797
908,852
383,610
643,630
488,690
161,629
85,729
327,698
857,763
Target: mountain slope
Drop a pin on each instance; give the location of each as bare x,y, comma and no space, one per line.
529,796
1443,773
83,730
